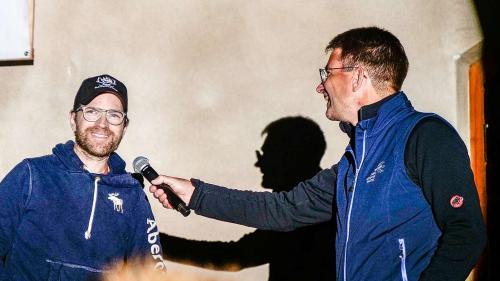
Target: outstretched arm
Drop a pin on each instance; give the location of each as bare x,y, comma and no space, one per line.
310,202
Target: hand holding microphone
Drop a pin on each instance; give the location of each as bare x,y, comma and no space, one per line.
162,185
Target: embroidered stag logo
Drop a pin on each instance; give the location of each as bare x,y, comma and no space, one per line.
117,202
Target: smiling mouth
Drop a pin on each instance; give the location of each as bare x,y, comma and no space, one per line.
100,136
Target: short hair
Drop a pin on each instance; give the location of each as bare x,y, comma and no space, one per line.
378,51
298,136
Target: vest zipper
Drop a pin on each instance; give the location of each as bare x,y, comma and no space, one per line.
352,200
402,256
88,233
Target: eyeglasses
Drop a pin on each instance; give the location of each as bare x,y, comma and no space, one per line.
325,72
92,114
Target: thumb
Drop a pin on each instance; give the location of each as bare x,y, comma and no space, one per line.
160,179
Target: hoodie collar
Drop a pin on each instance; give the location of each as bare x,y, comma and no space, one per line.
68,157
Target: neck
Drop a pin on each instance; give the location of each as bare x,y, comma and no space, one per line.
370,98
91,163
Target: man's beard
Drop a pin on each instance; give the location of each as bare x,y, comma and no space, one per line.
83,140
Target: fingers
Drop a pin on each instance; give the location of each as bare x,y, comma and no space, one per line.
160,194
160,180
152,188
181,187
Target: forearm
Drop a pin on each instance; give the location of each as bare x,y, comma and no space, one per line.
308,203
454,261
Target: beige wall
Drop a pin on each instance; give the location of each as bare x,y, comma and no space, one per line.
205,77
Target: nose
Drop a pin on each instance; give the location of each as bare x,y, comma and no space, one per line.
320,88
102,121
258,163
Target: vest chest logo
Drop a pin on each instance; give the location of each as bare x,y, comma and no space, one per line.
378,170
117,202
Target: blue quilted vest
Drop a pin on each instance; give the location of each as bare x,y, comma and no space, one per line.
386,229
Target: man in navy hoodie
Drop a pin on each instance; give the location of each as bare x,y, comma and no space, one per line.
70,215
403,196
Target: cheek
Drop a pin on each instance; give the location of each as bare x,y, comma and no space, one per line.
118,132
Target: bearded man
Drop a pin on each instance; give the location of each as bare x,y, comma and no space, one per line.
71,214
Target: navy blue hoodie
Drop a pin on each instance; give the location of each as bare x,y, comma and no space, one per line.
60,222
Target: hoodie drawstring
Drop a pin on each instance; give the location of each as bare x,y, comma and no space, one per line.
91,220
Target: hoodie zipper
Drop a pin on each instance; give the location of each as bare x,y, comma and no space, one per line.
350,203
88,233
77,266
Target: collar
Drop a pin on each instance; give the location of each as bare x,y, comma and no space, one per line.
68,157
371,110
367,113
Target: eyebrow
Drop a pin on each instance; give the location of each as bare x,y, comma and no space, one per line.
111,109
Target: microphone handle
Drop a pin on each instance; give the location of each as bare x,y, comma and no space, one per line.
175,200
150,174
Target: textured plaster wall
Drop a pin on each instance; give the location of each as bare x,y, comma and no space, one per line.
205,77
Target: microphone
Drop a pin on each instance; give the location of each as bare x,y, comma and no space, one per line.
141,165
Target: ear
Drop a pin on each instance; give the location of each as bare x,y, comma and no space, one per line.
72,120
358,79
125,129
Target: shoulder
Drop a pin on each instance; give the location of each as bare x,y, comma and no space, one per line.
433,123
44,161
434,131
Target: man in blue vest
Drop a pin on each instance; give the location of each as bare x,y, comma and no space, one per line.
403,196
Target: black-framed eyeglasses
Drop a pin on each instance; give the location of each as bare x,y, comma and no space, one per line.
325,72
92,114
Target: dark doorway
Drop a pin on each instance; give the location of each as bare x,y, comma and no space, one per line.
488,17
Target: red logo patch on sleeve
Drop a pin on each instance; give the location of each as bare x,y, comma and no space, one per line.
456,201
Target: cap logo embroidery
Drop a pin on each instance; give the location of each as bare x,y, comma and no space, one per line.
117,202
105,82
456,201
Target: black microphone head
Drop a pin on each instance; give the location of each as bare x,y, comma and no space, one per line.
140,163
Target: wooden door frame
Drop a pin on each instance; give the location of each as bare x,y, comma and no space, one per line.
470,119
464,62
471,115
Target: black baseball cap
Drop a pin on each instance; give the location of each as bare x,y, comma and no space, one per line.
94,86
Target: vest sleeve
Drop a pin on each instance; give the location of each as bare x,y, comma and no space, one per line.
308,203
15,190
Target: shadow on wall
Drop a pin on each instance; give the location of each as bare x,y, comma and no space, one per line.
291,153
488,16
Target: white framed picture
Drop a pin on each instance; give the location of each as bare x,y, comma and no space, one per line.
16,30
